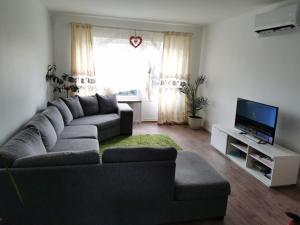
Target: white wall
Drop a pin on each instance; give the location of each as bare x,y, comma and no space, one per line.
62,43
241,64
25,52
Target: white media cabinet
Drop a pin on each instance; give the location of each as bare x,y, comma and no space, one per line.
281,164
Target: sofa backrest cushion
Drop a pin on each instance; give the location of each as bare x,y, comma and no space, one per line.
89,105
27,142
55,117
48,134
59,159
63,109
107,104
74,106
139,154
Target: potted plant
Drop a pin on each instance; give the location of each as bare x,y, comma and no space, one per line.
195,103
65,83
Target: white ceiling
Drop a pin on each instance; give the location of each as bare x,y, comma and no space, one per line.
178,11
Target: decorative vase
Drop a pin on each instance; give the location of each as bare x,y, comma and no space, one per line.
195,123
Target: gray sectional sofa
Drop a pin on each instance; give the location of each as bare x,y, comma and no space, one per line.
70,126
55,163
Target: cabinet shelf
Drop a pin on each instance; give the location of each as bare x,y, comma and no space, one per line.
264,161
238,160
260,176
242,147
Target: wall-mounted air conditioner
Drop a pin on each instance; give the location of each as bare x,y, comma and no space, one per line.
285,17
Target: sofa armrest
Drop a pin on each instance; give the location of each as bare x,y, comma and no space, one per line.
138,154
58,159
126,118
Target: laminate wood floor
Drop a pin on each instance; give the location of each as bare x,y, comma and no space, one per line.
250,202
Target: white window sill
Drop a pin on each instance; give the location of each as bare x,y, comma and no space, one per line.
129,98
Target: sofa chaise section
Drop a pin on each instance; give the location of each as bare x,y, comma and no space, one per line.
200,192
110,118
111,124
108,125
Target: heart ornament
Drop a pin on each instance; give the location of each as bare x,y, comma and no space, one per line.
135,41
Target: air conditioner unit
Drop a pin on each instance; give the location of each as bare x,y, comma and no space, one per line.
285,17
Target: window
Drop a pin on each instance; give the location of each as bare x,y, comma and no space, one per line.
121,68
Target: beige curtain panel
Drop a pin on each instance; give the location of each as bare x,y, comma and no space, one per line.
82,62
175,71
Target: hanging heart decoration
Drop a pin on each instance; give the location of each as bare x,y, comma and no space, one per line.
135,41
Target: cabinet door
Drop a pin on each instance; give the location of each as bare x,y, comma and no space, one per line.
218,139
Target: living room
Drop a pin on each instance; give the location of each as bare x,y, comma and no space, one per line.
241,52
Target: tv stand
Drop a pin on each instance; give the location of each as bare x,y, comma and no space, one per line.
273,165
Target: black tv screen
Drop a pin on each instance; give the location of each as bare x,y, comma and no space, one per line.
257,119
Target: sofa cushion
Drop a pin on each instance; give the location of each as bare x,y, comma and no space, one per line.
46,129
101,121
139,154
64,110
74,106
27,142
59,159
63,145
89,105
107,104
80,131
109,132
54,116
196,179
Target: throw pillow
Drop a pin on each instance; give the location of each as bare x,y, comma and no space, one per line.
48,134
107,104
54,116
74,106
64,110
89,105
27,142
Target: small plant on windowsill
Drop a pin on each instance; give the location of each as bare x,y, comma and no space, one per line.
61,85
195,103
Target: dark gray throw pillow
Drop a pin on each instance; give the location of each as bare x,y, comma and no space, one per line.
55,117
48,134
89,105
74,106
27,142
63,109
107,104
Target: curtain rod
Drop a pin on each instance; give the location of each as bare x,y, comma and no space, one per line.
127,28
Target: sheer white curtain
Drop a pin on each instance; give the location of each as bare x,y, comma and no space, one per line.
175,71
82,66
119,66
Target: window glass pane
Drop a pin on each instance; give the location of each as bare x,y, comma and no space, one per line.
120,68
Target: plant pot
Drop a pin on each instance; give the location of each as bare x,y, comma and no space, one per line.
195,123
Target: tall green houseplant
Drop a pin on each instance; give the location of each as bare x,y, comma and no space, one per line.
195,103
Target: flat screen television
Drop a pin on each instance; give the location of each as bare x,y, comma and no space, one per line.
257,119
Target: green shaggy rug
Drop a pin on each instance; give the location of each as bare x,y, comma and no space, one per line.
146,140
